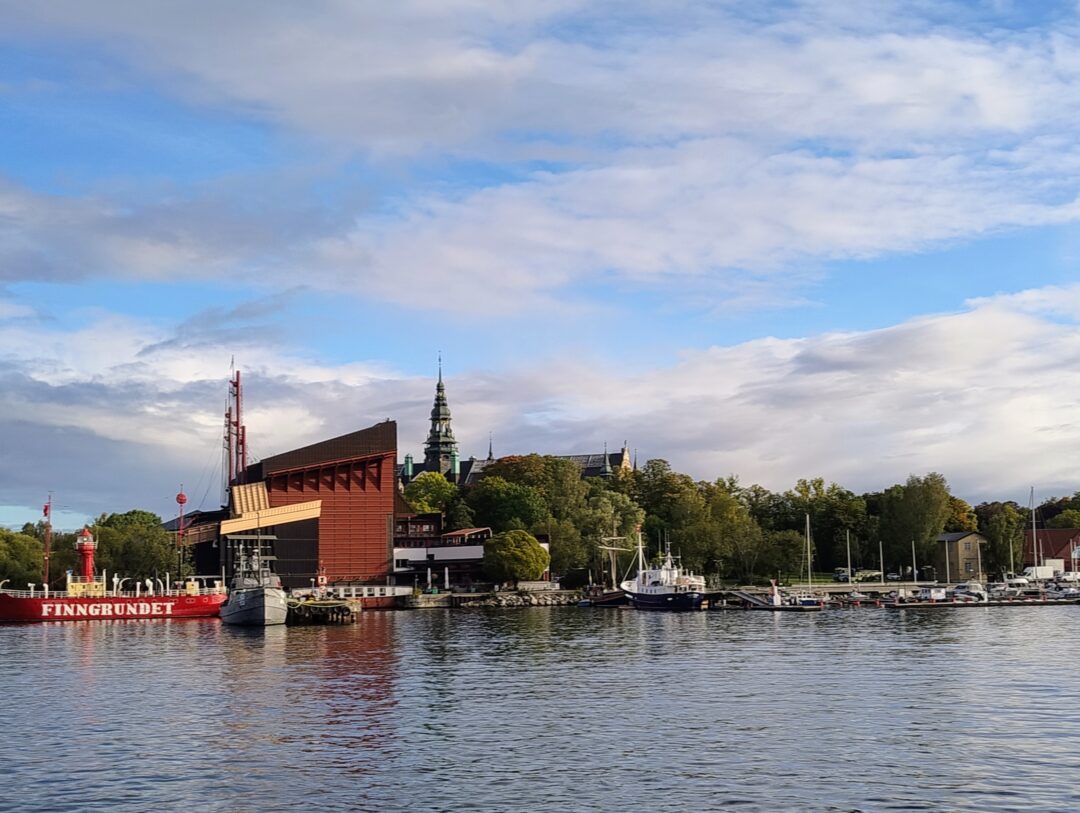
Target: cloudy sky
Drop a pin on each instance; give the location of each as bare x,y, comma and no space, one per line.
780,240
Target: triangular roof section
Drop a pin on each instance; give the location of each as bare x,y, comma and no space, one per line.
378,439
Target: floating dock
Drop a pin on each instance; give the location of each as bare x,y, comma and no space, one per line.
322,611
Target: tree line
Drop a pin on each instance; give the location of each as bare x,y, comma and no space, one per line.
721,528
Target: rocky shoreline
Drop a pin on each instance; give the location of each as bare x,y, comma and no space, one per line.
553,598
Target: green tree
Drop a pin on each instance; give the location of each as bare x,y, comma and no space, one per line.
429,492
558,481
1069,518
20,559
505,506
914,513
1002,524
458,515
961,516
514,556
134,545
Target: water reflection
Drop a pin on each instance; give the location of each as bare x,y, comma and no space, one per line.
549,709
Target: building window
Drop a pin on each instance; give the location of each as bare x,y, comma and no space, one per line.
399,563
968,567
967,546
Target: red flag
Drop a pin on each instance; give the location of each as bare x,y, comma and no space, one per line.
45,510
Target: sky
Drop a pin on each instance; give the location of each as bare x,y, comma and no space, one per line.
781,240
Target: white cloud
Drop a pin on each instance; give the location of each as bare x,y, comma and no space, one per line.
722,148
980,396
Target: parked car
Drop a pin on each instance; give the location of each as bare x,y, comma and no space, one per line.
840,574
893,577
867,575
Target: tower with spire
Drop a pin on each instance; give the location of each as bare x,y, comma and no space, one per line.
440,451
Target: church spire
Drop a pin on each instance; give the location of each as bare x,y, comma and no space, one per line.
440,446
491,452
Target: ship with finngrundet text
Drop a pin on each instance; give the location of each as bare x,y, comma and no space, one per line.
88,597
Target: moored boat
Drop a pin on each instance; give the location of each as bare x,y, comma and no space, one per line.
666,586
87,598
256,597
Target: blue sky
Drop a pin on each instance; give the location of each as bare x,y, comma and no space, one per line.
807,239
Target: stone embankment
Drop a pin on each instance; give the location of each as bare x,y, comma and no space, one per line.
549,598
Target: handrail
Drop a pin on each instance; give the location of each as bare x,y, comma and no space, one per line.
60,594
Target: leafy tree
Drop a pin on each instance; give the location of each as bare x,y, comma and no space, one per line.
557,481
1002,523
514,556
20,559
130,520
914,513
458,514
961,516
1069,518
135,545
429,492
505,506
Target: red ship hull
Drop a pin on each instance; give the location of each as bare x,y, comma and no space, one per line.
65,608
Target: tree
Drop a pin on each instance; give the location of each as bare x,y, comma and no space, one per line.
914,513
505,506
1002,523
458,514
135,545
429,492
961,516
20,558
1069,518
514,556
558,481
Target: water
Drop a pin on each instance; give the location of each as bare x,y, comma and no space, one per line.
548,709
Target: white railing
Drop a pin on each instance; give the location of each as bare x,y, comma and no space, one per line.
58,594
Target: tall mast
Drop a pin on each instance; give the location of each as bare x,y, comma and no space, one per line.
48,542
1034,535
809,576
235,432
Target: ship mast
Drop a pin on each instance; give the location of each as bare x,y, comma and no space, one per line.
235,433
48,542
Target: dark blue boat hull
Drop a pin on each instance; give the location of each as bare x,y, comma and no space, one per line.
672,602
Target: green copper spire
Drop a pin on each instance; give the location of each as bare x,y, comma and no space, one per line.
440,446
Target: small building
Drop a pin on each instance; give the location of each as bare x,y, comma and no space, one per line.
958,556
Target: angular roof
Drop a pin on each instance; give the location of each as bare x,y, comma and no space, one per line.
377,439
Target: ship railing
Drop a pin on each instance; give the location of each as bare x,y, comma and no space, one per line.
39,593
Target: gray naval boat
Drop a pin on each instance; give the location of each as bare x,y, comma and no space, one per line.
256,597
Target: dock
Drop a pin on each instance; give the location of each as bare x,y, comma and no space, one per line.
322,611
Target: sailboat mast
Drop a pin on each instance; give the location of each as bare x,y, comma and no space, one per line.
1034,536
847,536
809,577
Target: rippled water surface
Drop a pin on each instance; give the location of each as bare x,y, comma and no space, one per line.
548,709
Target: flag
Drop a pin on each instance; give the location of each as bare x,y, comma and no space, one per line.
45,510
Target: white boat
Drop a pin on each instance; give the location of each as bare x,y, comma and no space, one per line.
256,597
666,586
970,591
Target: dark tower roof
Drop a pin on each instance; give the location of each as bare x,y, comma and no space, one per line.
440,446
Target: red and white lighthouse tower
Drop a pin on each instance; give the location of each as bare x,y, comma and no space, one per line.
86,545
